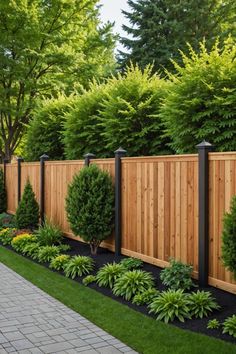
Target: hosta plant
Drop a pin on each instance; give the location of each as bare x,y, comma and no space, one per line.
31,250
47,253
213,324
177,275
146,297
89,279
78,266
108,274
18,243
48,234
169,305
6,236
201,303
64,247
59,262
132,282
131,263
229,326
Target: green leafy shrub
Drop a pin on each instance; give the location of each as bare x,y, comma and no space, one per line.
229,326
146,297
64,247
31,250
48,234
131,263
90,205
3,195
201,303
129,114
201,100
44,133
229,238
107,275
47,253
82,132
89,279
7,235
6,220
27,212
177,275
213,324
132,282
18,242
78,266
59,262
171,304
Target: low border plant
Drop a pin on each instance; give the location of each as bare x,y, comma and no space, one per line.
201,304
109,273
229,326
19,242
146,297
59,262
213,324
47,253
7,235
89,279
78,266
131,263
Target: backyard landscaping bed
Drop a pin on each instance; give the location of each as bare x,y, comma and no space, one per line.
226,300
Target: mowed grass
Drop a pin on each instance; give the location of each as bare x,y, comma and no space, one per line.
143,334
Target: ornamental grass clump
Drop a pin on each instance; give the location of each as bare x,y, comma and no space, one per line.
177,275
132,282
59,262
27,212
78,266
201,304
90,205
229,326
7,235
47,253
169,305
19,242
109,273
49,234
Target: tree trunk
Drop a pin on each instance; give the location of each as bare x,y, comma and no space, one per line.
94,247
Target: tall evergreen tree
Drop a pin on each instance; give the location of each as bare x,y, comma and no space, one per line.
161,28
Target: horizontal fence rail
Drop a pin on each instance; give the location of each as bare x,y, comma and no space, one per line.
159,205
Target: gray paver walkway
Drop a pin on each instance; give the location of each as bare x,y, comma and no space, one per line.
32,322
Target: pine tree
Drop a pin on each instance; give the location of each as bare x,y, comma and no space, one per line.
229,239
161,28
3,196
27,213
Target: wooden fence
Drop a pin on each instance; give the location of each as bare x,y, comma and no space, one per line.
160,212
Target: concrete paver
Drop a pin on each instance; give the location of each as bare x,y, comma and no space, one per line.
32,322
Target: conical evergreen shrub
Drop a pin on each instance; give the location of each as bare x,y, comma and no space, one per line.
27,213
229,239
3,196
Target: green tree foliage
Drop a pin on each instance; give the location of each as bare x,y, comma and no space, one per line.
44,133
160,28
3,196
27,212
130,113
229,239
90,205
201,101
46,47
82,131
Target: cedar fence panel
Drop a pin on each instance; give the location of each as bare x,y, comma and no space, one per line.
31,171
11,187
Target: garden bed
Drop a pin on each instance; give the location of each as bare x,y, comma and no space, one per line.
226,300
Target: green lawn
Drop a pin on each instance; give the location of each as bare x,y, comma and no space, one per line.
140,332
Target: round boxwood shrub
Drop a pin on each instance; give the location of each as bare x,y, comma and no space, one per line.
27,212
90,205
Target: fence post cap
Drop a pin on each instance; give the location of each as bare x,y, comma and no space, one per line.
205,145
89,155
120,151
44,157
6,160
19,159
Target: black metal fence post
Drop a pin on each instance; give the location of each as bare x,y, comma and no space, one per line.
118,220
87,158
43,158
203,225
5,161
19,161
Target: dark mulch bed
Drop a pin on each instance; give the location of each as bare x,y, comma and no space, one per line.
226,300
